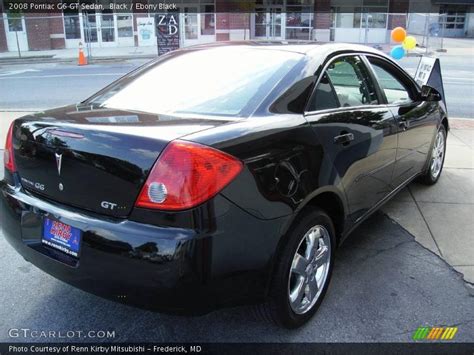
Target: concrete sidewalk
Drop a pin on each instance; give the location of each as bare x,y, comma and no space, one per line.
440,217
72,54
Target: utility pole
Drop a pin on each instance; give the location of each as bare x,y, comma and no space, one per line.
18,44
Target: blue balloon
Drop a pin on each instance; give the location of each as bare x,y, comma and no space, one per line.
397,52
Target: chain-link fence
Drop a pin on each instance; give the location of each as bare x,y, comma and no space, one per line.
428,29
117,30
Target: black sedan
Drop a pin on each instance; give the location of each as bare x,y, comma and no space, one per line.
219,175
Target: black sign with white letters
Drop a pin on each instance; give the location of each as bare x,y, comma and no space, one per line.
167,32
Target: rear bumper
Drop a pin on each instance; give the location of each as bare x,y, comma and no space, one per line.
162,268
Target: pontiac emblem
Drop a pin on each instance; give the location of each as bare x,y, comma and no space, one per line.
59,158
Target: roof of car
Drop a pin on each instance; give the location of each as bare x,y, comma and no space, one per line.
303,47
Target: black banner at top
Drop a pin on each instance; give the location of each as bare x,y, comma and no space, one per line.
217,6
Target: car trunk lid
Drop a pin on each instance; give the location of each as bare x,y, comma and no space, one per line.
95,160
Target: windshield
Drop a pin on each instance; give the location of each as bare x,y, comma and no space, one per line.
228,81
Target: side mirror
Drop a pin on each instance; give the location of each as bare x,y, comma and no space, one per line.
430,94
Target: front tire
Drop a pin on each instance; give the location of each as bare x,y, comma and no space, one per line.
302,272
436,159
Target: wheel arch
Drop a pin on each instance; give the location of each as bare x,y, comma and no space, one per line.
445,123
328,199
331,201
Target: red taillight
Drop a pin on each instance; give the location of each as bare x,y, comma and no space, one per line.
186,175
8,153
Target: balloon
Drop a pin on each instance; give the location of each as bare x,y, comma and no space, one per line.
397,52
409,43
398,34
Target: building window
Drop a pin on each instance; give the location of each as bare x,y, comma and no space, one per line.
208,20
453,17
299,22
90,27
375,17
190,24
124,25
347,17
107,26
372,14
15,23
72,25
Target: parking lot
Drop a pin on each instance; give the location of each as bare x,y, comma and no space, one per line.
385,286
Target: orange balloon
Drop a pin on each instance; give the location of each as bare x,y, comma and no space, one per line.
398,34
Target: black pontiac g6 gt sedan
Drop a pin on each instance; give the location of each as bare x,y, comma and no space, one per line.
219,175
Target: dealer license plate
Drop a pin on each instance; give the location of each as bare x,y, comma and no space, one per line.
61,236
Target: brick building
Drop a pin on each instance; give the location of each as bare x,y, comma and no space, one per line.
368,21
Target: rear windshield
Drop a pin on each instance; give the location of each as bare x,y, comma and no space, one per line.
223,81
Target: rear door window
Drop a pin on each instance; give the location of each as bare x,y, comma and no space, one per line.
351,81
324,97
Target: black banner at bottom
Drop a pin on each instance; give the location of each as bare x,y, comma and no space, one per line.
236,348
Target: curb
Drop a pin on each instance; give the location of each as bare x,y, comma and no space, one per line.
40,59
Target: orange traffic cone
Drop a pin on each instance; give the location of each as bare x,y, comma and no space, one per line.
82,59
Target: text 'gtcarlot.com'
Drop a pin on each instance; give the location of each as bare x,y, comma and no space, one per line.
53,334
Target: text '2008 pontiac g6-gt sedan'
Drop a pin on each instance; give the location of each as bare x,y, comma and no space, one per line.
219,175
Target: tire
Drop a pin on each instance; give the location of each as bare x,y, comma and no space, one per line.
436,159
313,225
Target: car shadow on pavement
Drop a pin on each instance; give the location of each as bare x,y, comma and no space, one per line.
385,285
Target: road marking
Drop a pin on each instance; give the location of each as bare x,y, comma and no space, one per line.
20,71
60,76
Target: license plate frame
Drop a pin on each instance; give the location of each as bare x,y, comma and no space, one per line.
61,236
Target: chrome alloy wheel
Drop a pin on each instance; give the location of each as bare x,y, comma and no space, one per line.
437,155
309,269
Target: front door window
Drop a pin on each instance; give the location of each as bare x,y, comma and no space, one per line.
394,90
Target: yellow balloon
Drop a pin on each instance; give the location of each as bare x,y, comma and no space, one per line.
409,43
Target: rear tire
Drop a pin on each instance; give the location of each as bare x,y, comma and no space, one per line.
436,159
302,271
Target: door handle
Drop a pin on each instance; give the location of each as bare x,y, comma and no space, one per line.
344,138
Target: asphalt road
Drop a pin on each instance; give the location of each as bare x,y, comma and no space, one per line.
42,86
385,285
49,85
458,79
